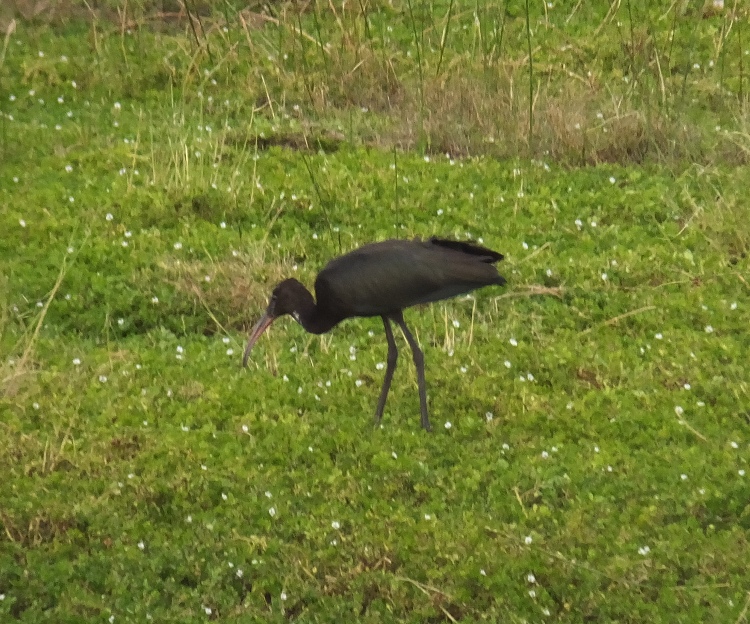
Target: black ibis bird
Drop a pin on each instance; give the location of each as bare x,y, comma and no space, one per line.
381,279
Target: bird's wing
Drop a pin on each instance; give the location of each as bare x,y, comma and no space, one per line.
385,277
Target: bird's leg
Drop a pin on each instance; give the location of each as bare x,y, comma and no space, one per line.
390,368
419,363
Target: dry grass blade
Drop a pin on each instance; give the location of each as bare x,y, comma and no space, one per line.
743,614
618,318
11,383
534,290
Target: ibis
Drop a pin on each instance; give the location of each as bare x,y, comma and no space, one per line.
382,279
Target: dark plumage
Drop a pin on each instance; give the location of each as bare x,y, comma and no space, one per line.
381,279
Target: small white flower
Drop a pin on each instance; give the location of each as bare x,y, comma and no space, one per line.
222,225
283,596
507,364
178,245
532,593
678,410
272,512
239,573
230,351
604,277
208,610
482,572
102,378
109,216
380,365
439,212
488,416
741,472
117,106
733,444
448,425
393,454
612,180
456,324
593,224
22,223
527,540
153,299
683,476
596,449
268,494
708,329
224,496
35,405
245,429
427,517
545,454
513,342
530,578
141,545
658,336
733,306
358,383
644,550
76,361
335,525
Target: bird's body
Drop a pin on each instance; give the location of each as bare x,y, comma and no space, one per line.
381,279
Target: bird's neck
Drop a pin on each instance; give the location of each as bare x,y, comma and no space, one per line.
312,318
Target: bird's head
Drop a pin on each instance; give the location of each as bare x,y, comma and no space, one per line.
284,299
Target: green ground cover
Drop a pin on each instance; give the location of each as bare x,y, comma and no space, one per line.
592,419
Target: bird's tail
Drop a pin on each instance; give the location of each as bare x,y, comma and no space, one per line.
483,254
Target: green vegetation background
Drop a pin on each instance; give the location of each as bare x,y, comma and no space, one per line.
164,165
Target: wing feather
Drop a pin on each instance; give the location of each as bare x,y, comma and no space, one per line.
381,278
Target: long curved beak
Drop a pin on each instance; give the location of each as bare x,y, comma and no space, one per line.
257,331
